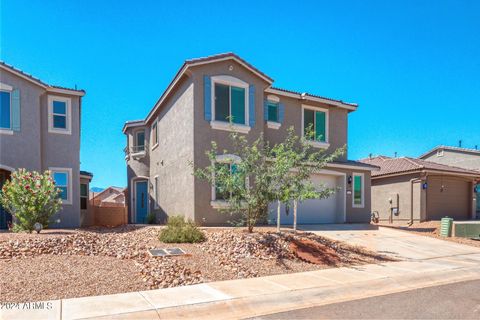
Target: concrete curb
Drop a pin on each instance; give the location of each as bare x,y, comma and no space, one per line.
245,298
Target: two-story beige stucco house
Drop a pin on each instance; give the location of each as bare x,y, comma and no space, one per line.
194,110
40,130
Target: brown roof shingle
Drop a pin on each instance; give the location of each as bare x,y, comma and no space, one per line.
406,165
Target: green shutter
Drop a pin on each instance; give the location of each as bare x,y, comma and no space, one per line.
320,126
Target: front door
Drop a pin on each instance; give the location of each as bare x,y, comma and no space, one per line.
5,217
141,198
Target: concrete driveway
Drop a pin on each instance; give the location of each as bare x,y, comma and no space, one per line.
398,244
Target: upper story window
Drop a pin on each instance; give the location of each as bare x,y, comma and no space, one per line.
139,141
5,110
154,134
273,110
358,190
230,104
59,115
316,119
62,178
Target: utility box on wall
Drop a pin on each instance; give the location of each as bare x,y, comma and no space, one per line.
394,201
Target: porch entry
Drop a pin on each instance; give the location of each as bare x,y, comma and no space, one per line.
5,217
141,201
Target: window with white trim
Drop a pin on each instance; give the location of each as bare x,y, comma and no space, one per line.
139,143
230,163
59,115
5,109
358,193
273,111
63,181
316,120
230,102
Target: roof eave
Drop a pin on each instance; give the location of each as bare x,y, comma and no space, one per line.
40,83
307,97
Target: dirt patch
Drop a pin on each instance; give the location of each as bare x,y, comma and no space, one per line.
314,252
99,261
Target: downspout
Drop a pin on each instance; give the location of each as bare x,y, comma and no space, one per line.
412,181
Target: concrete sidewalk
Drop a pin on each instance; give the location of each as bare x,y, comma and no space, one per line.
259,296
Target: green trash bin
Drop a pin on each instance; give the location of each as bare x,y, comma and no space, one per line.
446,227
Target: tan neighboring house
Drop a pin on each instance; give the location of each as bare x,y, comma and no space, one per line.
194,110
109,197
409,189
459,157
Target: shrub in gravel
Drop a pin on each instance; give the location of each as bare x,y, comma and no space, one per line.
30,197
180,231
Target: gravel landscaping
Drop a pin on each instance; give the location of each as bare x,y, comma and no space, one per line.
432,229
74,263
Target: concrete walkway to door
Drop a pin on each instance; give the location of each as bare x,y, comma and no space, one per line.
398,244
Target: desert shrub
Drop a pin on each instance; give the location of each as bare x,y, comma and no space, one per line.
30,197
151,218
180,231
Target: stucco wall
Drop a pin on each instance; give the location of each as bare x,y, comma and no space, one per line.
34,148
204,134
456,158
337,124
385,188
23,148
170,160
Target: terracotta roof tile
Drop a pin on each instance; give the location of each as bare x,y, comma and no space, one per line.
407,165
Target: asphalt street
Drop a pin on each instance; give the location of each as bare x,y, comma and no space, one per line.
453,301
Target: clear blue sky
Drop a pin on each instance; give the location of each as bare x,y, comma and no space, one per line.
413,66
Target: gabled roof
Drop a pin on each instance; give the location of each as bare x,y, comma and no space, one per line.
117,189
456,149
232,56
405,165
32,79
228,56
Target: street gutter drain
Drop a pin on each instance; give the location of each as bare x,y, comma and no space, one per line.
166,252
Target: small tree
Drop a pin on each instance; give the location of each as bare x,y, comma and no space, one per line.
295,160
264,175
30,197
246,183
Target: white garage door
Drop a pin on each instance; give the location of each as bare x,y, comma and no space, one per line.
330,210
